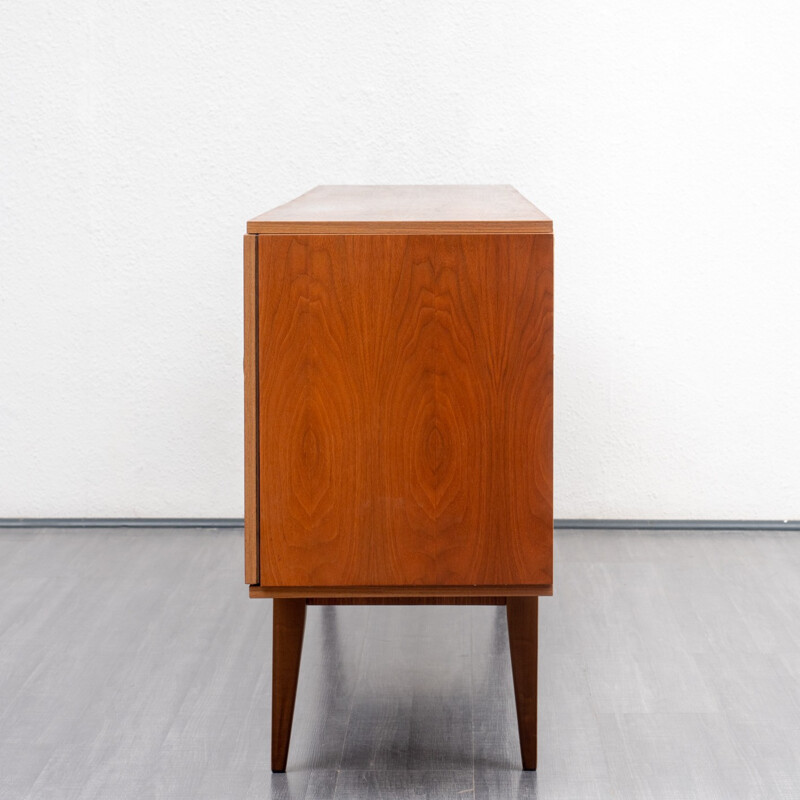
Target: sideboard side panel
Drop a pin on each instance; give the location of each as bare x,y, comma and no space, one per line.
405,410
251,513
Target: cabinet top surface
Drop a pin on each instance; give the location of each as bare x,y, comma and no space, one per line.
405,209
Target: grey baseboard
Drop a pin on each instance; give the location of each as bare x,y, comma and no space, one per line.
562,524
122,522
679,524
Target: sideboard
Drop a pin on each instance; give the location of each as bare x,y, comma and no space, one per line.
398,362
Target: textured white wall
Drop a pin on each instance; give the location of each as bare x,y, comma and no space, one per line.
137,138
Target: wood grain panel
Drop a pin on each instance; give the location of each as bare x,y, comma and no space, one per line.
404,523
311,436
494,305
405,411
251,514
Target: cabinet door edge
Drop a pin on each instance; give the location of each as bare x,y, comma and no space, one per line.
251,510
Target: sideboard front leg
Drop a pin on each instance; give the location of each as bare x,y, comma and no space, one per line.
523,640
288,624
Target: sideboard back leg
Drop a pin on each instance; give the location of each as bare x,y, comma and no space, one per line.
288,624
523,640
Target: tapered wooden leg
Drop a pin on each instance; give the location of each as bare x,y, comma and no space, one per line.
288,623
523,640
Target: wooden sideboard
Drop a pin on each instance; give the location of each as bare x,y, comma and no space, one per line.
398,359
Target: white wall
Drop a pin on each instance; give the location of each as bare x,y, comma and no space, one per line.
663,138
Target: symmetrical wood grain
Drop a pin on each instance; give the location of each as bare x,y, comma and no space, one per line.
405,210
251,517
523,642
405,396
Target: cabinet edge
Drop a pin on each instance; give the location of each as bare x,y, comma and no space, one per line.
251,501
518,590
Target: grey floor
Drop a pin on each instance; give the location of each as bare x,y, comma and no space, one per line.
133,665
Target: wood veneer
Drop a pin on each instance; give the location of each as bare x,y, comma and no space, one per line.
405,410
405,209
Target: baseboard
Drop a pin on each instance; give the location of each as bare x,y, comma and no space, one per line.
122,522
679,524
560,524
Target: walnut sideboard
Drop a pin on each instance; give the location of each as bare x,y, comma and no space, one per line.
398,360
